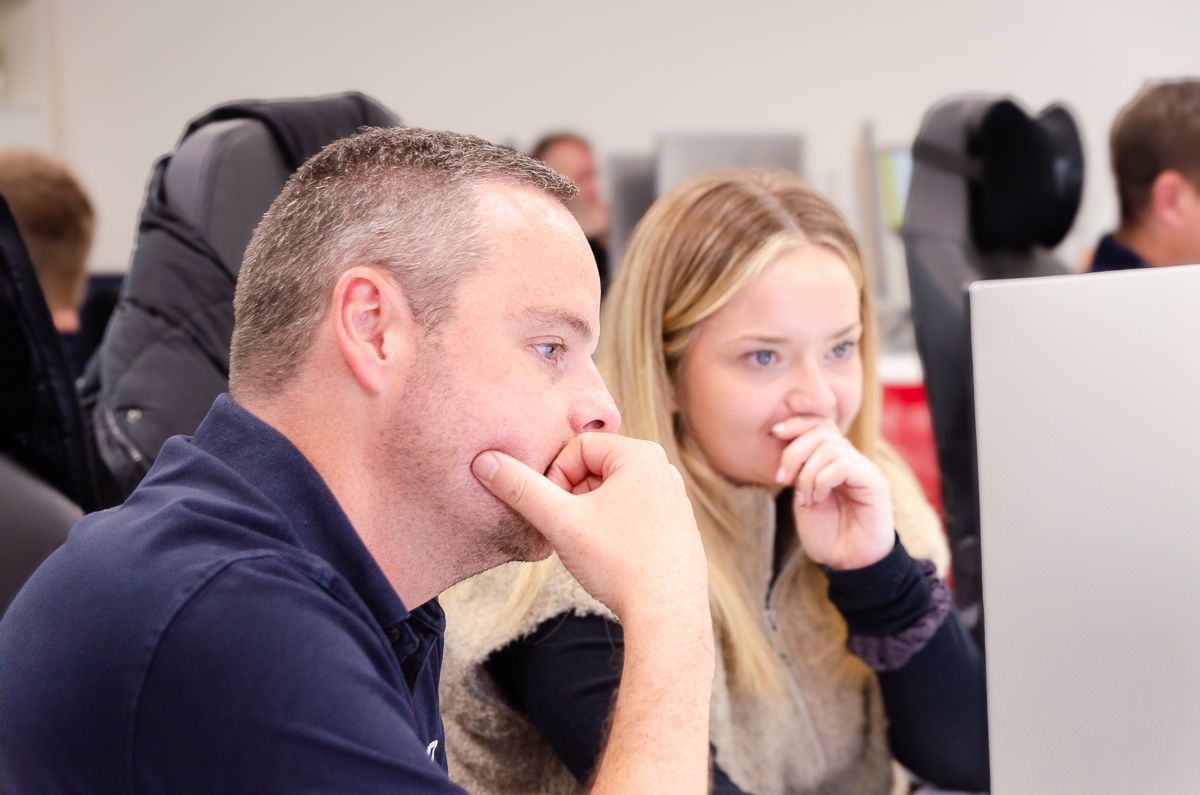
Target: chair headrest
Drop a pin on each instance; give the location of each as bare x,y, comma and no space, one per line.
234,159
1029,178
221,180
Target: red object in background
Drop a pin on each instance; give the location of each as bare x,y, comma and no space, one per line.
909,429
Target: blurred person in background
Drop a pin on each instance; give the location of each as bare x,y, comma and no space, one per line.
740,336
57,223
1155,152
571,155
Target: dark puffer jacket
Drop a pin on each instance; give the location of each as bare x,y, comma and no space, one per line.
165,355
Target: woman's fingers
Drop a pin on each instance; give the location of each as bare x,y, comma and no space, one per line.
794,427
826,454
800,449
830,478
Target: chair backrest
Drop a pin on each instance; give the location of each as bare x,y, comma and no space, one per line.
212,191
992,191
165,355
46,461
222,179
34,522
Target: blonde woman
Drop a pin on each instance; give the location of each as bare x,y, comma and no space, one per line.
739,335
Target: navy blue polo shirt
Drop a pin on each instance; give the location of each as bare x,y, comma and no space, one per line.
225,630
1112,256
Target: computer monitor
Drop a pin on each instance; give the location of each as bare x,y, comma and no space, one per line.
1088,434
635,181
883,174
685,155
631,192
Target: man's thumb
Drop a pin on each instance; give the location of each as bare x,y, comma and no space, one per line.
521,488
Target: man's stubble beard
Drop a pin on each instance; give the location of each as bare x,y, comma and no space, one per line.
517,540
421,452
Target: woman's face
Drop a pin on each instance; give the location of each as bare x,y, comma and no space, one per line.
786,346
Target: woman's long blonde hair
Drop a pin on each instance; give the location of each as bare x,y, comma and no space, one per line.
697,247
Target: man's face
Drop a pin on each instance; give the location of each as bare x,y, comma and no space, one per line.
511,370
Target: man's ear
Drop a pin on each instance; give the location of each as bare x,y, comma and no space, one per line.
374,326
1168,194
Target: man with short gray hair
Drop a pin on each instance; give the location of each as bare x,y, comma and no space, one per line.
413,401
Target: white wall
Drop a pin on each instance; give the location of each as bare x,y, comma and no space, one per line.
128,74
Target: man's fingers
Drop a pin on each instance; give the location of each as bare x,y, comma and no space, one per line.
521,488
569,467
587,460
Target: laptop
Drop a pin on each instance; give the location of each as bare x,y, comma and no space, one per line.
1087,399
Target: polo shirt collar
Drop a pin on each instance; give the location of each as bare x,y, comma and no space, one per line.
266,459
1112,256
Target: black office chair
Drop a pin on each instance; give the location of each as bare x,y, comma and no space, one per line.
35,522
992,191
165,355
47,473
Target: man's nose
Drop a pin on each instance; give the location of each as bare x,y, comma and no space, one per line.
594,409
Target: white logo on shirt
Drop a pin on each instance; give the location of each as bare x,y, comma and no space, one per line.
431,749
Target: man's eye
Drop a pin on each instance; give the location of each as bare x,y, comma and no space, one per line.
762,358
549,350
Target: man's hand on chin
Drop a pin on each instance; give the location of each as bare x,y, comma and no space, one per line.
617,513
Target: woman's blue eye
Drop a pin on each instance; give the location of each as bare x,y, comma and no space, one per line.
842,351
763,358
